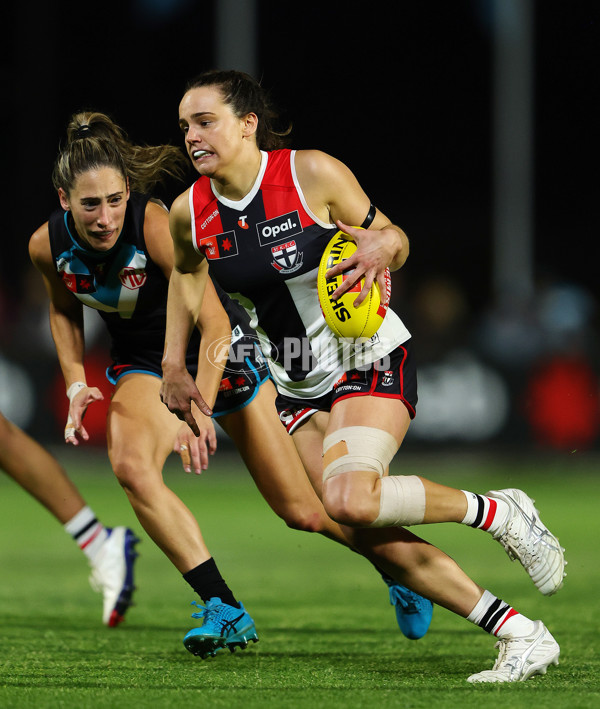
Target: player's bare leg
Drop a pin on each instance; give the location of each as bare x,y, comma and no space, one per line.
274,464
354,497
38,472
404,556
527,647
140,433
110,551
358,491
282,479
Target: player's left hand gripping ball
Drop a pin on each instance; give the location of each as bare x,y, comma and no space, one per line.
341,316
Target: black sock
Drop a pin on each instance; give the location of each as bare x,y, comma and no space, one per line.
207,582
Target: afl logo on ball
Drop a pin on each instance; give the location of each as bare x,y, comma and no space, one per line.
132,278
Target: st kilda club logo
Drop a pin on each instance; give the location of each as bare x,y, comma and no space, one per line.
286,257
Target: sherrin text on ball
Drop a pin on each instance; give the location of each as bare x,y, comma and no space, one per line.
342,317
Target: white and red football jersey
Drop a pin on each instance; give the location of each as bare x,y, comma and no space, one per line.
264,250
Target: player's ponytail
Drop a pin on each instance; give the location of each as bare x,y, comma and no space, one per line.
94,140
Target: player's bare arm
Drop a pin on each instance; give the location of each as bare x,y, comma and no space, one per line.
186,292
66,312
157,236
334,194
213,323
215,328
66,324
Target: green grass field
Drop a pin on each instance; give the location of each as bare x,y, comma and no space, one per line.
328,636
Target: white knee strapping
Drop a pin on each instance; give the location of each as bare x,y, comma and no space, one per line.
357,448
402,501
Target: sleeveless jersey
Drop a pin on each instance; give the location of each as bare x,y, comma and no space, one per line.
125,286
264,250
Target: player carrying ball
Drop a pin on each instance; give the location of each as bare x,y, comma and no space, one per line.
260,217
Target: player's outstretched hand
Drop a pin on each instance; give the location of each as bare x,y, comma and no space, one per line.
194,451
376,249
177,391
77,408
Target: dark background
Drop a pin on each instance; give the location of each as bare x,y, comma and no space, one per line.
399,91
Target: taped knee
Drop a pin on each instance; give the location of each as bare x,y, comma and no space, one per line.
402,501
357,448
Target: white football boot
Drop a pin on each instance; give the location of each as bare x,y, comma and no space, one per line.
521,658
525,538
112,574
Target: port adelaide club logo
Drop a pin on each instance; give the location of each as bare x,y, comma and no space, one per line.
286,256
133,278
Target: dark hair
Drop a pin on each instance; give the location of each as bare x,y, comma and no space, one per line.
245,95
94,140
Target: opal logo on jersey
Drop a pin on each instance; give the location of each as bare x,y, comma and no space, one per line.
132,278
280,228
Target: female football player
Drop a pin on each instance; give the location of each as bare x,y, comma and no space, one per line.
109,248
348,413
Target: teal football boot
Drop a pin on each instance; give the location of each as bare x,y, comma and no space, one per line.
413,612
223,626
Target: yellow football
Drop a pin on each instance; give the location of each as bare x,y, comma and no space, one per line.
341,316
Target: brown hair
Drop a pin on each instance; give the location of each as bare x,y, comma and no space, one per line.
94,140
243,94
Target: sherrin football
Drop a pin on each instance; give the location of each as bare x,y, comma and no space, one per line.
341,316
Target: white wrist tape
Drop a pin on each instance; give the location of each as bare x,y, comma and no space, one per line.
72,391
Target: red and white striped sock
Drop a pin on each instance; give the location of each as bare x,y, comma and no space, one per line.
484,512
87,531
498,618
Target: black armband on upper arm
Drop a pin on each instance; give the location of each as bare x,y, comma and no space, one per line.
369,218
